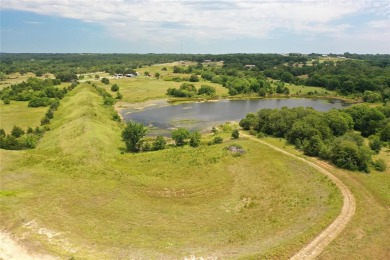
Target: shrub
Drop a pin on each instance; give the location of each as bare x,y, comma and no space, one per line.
218,140
375,143
107,100
194,78
114,88
49,114
146,147
105,81
195,139
39,102
116,117
159,144
17,131
45,121
180,135
206,90
54,104
6,101
235,134
380,165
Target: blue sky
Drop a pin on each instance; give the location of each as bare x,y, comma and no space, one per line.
195,26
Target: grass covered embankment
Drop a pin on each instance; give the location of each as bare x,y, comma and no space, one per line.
77,195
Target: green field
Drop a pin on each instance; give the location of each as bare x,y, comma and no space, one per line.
366,236
144,88
18,113
77,195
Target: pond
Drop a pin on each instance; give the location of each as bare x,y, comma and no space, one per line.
162,117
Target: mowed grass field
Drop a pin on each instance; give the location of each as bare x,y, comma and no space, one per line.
77,195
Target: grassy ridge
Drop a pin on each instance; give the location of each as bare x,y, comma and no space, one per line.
92,201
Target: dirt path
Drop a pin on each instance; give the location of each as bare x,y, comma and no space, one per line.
318,244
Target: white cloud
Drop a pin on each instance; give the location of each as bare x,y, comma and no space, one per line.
169,20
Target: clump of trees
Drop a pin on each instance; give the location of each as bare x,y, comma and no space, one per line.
133,136
19,139
38,92
189,90
330,135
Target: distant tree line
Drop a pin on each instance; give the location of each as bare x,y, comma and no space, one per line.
330,135
366,76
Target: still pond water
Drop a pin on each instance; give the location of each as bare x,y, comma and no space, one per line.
163,117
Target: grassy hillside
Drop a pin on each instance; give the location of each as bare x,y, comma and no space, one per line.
77,195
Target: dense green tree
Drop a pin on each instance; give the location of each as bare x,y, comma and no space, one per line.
250,121
371,121
287,77
133,136
346,154
180,135
339,122
372,96
313,145
66,76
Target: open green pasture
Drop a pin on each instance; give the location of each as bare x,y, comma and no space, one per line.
77,195
18,113
142,88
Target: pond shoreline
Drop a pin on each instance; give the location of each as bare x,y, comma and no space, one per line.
197,115
139,106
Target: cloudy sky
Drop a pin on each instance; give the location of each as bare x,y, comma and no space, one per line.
195,26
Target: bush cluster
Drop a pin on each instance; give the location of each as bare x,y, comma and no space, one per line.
38,92
189,90
330,135
20,139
